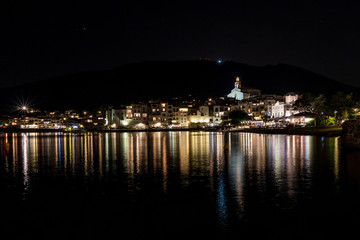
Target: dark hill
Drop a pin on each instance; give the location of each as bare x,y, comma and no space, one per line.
142,81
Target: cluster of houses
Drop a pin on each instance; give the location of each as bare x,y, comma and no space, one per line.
264,109
67,120
273,110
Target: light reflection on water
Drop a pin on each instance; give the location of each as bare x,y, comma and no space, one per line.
239,171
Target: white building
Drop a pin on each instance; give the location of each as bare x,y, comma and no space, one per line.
291,98
256,106
236,92
181,116
202,115
277,110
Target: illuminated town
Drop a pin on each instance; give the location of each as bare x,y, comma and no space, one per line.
263,110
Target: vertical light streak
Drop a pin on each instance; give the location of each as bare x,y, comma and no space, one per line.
164,163
59,157
130,153
137,155
336,158
184,156
114,145
100,147
25,161
66,136
86,154
73,153
237,171
107,152
91,150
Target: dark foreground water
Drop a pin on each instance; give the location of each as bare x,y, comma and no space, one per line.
177,185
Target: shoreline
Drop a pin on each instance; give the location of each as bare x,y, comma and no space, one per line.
327,131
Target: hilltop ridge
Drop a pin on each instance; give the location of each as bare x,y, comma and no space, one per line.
166,79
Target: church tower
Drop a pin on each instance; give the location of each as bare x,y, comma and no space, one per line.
236,92
237,83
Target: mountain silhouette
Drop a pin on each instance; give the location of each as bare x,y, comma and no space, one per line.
165,79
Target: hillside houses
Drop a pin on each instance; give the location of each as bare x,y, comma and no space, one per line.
173,113
209,113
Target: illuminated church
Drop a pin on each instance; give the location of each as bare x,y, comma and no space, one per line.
236,92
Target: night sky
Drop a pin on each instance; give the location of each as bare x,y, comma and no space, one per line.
41,39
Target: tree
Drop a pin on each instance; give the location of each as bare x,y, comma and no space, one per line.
318,104
304,103
237,116
341,106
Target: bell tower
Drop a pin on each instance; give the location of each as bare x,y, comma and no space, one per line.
236,92
237,83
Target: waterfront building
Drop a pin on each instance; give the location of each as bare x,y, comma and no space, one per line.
219,112
180,118
301,119
161,114
114,118
201,117
276,110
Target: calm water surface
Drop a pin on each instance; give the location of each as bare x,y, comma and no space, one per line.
203,185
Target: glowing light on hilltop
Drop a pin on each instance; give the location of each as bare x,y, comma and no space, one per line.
23,104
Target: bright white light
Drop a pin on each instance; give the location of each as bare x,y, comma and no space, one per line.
219,61
308,119
140,126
